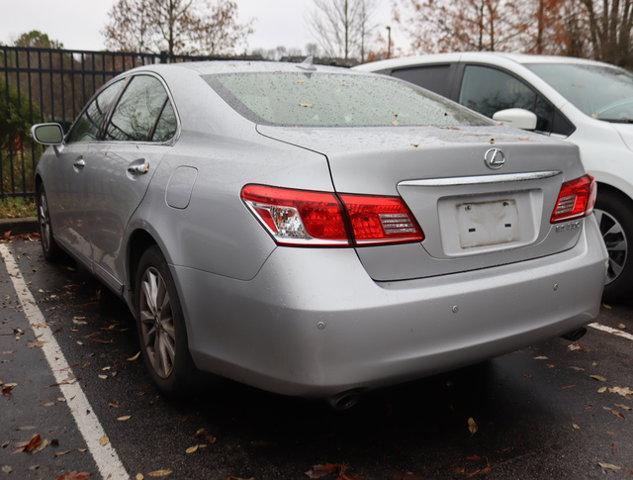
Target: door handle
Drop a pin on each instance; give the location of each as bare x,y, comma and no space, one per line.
79,163
138,167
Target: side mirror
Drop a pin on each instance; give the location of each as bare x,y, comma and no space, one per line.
517,118
48,133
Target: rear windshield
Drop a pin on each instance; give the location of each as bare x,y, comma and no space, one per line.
336,100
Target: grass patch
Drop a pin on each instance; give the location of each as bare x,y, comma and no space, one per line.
17,207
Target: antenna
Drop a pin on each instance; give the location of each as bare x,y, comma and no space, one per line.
307,64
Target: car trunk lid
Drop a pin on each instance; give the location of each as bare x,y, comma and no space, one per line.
474,214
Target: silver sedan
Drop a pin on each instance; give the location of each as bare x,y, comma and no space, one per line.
317,231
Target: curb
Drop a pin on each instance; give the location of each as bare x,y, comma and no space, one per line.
18,225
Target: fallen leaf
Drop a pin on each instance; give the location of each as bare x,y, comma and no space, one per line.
607,306
541,357
124,418
472,426
202,433
139,476
614,412
7,388
602,389
323,470
36,344
575,426
134,357
163,472
574,347
599,378
623,407
6,469
191,450
32,445
62,453
74,475
103,377
623,391
79,321
621,326
609,466
104,440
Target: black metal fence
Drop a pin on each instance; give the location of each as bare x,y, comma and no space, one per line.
38,84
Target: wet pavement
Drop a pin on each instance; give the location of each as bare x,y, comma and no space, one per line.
558,410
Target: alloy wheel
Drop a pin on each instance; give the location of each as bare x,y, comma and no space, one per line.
157,323
615,241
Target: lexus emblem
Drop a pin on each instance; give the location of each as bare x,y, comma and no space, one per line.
494,158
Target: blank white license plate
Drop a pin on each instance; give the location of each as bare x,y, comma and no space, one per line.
487,223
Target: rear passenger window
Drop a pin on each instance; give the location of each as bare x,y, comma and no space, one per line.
434,77
139,111
166,125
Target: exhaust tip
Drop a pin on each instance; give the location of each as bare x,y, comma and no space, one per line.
345,400
575,334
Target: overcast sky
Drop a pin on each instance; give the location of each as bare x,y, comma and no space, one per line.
78,23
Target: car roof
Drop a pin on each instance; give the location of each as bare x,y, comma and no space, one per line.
492,57
243,66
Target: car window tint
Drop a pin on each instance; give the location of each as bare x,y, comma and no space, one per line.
166,126
323,99
488,90
86,128
433,77
135,115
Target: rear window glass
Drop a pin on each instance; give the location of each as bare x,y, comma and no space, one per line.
336,100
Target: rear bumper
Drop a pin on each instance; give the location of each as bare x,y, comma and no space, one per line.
312,322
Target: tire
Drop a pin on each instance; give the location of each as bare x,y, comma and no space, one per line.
51,250
165,352
614,214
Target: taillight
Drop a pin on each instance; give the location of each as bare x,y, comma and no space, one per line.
309,218
576,199
380,220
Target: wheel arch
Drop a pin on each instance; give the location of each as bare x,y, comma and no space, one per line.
607,187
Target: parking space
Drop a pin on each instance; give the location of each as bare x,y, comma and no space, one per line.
555,410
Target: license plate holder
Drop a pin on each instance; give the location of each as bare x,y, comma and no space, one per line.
489,223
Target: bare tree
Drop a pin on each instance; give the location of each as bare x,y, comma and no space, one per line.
447,25
175,26
342,27
610,27
312,49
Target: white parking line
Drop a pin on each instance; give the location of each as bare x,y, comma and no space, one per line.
612,331
105,456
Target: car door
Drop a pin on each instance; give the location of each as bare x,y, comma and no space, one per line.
488,89
67,189
138,133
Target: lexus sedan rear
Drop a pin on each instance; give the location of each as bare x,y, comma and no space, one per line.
313,230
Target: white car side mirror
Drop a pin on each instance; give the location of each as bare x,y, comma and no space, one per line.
517,118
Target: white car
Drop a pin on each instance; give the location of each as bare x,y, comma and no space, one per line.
586,102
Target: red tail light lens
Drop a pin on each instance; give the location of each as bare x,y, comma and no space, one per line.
308,218
298,217
380,220
575,200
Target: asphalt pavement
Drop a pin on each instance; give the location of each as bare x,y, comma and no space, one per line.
557,410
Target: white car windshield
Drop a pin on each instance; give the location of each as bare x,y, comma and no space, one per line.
602,91
336,100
